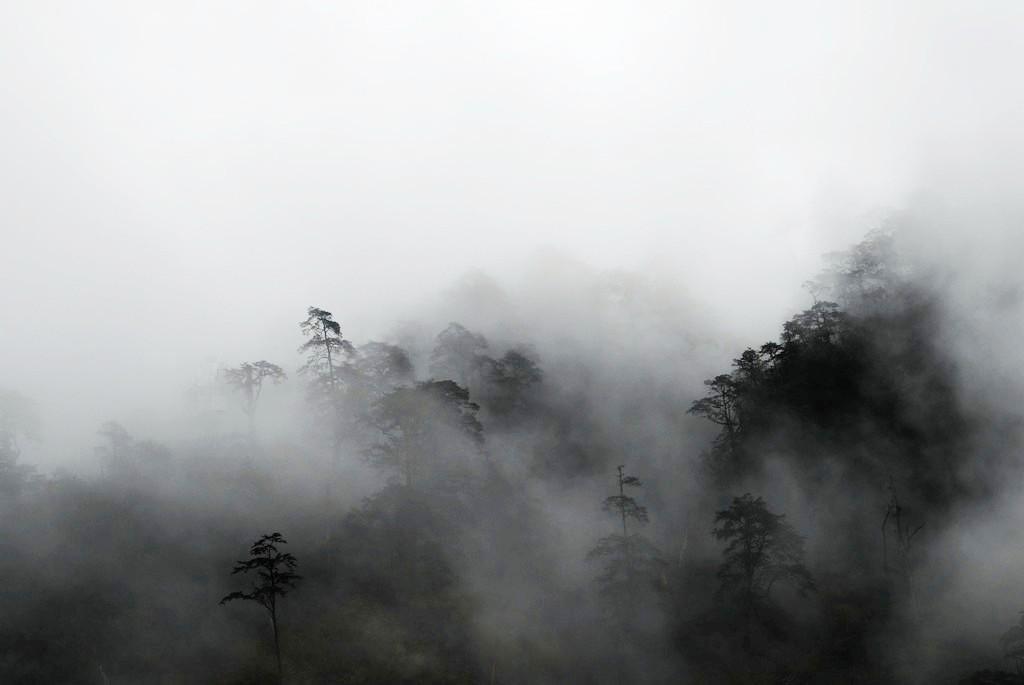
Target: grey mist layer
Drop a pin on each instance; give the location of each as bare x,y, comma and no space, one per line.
511,342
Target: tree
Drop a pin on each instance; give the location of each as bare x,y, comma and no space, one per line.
17,420
864,276
1013,646
510,380
381,367
822,324
276,576
721,407
426,430
762,549
633,566
391,555
248,379
325,346
130,461
813,380
895,523
116,455
458,355
328,354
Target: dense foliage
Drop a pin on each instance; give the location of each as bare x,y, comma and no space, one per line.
435,504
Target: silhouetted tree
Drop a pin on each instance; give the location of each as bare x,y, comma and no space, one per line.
1013,645
458,355
328,353
384,362
325,346
510,381
721,407
895,525
381,367
866,275
116,455
824,322
17,420
720,404
276,575
390,556
762,549
248,379
632,565
433,422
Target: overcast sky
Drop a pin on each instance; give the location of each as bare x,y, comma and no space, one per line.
179,180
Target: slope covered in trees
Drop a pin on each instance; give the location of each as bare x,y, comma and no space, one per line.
446,510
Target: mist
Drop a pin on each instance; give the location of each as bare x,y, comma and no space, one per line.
539,229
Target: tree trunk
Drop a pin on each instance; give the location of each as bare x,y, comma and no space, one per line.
277,645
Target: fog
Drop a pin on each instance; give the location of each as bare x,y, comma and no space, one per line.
632,193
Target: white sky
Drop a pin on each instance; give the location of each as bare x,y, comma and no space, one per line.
181,179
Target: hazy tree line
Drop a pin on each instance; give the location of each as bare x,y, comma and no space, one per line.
453,570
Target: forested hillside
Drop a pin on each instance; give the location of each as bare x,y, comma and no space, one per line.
457,506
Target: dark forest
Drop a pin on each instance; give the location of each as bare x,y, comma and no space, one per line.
458,510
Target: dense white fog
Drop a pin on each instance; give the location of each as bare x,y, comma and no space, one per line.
629,194
179,179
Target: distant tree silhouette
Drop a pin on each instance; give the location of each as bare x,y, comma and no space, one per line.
325,346
632,565
458,355
898,532
117,453
382,367
276,575
501,385
17,420
423,429
762,549
720,404
328,355
866,275
721,407
1013,645
248,378
510,381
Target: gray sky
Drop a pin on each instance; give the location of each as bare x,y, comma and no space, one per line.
179,180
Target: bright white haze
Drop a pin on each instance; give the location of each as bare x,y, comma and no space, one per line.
180,180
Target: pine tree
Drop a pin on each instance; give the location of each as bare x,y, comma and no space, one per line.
328,358
276,576
632,566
